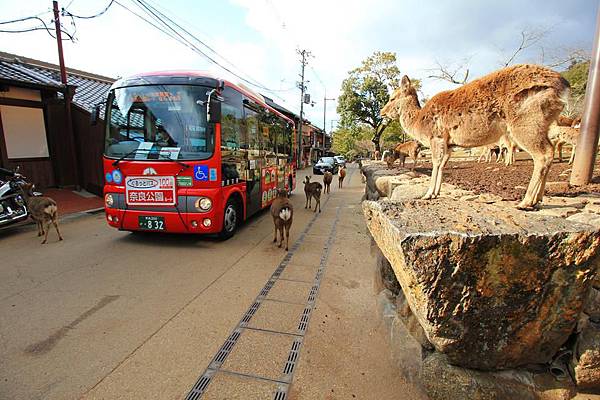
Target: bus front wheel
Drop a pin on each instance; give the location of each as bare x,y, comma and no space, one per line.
231,219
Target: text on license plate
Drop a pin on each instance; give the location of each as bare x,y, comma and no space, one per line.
153,223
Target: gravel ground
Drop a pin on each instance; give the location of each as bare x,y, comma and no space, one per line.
510,182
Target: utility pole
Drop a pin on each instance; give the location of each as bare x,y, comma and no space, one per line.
585,157
325,100
68,94
304,54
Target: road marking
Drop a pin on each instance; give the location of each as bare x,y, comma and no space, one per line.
203,382
48,344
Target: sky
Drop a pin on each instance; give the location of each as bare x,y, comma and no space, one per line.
258,39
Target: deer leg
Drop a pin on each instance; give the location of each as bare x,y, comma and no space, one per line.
46,233
438,182
559,146
437,156
275,233
39,228
55,223
542,153
280,229
572,155
287,236
306,204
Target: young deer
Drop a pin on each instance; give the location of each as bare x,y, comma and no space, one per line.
43,210
312,190
401,151
520,101
341,176
327,179
283,214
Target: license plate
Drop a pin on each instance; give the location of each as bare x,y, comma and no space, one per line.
152,223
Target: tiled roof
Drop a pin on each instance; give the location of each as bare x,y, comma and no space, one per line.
90,89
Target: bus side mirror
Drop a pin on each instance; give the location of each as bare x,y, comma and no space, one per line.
213,109
95,116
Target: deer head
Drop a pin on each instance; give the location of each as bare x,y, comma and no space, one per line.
391,111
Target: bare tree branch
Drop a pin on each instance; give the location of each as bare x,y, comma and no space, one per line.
529,38
449,73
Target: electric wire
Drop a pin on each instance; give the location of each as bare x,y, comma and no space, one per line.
67,13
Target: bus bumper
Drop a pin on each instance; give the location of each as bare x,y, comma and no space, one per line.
202,223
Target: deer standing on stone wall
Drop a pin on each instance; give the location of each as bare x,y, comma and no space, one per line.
519,101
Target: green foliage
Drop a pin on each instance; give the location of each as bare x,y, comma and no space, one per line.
366,90
577,75
350,141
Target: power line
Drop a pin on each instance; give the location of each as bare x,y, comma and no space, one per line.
67,13
156,15
43,27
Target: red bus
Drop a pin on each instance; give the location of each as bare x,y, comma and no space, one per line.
186,152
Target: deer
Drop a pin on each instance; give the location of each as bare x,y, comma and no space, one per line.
520,101
312,190
282,212
411,148
43,210
341,176
327,179
559,135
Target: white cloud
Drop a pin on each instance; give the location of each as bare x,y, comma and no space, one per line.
339,35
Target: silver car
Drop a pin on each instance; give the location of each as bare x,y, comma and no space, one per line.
340,160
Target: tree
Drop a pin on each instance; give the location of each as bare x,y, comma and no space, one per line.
577,75
366,90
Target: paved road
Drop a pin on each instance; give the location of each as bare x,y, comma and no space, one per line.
114,315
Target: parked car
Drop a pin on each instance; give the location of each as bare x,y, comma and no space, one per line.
325,164
340,160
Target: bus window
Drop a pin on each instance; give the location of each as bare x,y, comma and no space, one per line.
233,138
268,133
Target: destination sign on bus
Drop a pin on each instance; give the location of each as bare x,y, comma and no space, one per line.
150,190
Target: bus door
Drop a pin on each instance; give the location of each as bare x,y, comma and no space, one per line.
254,162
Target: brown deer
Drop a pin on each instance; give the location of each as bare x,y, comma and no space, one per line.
327,179
519,101
282,212
341,176
43,210
560,135
312,190
411,148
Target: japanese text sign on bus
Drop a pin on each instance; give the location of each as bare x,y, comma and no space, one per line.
150,190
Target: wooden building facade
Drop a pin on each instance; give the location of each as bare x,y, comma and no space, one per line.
34,133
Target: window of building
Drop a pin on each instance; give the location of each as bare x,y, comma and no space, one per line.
24,132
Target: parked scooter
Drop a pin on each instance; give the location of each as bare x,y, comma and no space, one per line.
13,208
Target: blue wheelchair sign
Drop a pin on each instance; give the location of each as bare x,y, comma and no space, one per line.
201,172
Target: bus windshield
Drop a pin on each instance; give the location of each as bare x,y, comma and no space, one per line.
159,122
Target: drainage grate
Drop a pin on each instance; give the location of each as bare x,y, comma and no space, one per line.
251,311
200,386
217,362
226,349
304,319
292,357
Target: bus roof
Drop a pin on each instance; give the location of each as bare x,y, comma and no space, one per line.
204,78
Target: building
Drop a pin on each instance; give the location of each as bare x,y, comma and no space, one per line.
35,133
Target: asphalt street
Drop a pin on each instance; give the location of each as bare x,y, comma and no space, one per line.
106,314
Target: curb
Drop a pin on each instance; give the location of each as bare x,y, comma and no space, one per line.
29,224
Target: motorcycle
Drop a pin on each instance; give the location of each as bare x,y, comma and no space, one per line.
13,208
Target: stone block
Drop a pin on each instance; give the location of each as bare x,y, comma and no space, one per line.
492,287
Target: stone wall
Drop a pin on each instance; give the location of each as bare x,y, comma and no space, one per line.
483,301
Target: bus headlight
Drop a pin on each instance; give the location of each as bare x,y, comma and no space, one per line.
109,200
203,204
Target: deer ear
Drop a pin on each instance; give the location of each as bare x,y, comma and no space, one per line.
405,81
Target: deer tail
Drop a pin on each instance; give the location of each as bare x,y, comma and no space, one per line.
285,213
